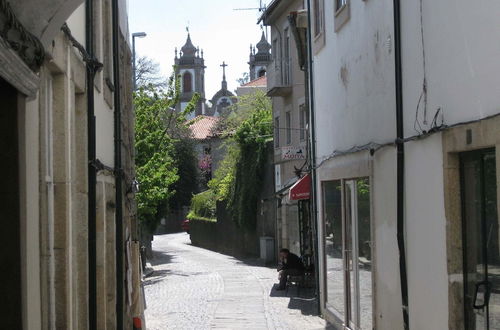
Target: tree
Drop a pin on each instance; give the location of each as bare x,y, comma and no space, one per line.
245,77
157,128
147,72
247,127
185,162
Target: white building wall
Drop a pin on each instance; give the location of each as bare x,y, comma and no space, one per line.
30,237
104,131
76,23
354,79
426,235
387,290
462,66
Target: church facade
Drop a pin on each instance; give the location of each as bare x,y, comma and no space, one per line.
190,70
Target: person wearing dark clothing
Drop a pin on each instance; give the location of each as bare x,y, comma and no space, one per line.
290,264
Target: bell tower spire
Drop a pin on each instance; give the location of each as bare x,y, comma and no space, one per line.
260,60
190,70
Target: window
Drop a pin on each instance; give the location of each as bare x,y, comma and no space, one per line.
304,121
187,81
108,52
339,4
342,14
318,17
286,58
262,73
98,41
348,249
481,252
277,132
275,54
288,128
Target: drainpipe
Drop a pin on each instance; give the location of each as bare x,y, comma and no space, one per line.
400,164
118,167
92,172
312,141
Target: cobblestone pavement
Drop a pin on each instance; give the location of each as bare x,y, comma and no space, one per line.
194,288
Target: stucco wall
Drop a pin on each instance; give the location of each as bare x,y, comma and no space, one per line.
462,67
426,235
354,79
387,303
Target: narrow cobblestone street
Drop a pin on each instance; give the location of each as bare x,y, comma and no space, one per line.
194,288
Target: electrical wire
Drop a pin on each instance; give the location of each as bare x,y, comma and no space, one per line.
374,146
423,95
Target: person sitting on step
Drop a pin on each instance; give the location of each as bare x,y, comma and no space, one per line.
290,264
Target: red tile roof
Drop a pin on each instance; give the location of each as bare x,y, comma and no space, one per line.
202,127
259,82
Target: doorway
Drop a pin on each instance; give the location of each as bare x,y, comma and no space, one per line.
481,240
10,253
348,247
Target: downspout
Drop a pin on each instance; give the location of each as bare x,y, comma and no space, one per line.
92,171
118,167
400,164
312,141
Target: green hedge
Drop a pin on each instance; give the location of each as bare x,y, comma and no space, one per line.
203,206
193,217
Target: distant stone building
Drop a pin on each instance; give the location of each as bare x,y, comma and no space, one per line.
223,98
259,61
190,67
253,86
208,144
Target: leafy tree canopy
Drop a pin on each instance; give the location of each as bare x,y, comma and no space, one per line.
157,129
238,181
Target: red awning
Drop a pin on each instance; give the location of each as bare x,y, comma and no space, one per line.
301,189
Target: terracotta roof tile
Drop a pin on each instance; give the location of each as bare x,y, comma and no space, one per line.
202,127
259,82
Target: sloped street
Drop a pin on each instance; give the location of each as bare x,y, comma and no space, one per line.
194,288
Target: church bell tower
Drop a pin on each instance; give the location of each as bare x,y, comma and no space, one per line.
190,69
260,60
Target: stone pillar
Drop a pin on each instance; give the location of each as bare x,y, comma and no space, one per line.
62,202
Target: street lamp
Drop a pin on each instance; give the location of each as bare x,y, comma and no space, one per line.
135,35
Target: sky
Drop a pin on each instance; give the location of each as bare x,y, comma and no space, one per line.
223,33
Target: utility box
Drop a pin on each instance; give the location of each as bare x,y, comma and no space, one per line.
267,249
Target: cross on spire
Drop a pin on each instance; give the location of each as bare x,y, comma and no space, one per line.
224,82
223,65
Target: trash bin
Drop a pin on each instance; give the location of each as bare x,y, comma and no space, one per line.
267,249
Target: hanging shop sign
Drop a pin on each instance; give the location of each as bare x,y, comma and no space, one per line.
290,153
301,189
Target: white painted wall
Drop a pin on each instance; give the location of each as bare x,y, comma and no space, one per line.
462,52
30,197
76,23
104,130
364,103
103,113
426,235
387,303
